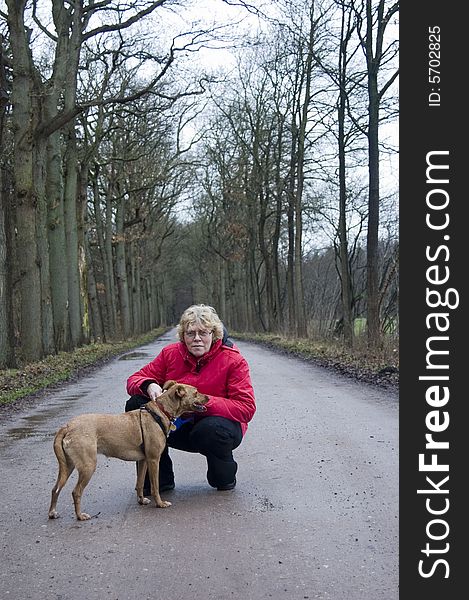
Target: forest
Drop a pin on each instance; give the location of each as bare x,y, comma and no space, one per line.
155,154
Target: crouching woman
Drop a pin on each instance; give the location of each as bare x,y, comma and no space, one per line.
205,358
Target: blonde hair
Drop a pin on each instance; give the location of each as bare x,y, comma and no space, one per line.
201,315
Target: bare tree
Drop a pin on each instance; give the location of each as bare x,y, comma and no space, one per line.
45,103
7,357
372,22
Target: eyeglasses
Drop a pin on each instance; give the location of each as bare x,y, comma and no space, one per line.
202,334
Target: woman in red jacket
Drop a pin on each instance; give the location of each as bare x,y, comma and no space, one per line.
209,361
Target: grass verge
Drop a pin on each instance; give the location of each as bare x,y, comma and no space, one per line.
380,367
31,378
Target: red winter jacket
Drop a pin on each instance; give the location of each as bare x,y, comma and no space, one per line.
222,373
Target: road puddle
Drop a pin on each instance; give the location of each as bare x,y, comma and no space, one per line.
38,424
134,356
21,433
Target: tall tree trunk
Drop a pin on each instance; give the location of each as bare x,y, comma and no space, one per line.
55,185
97,330
71,24
372,279
301,326
158,300
7,351
266,257
121,270
222,287
372,267
57,244
82,260
291,233
71,233
28,264
345,277
24,121
135,294
47,322
111,293
105,252
146,305
376,23
279,192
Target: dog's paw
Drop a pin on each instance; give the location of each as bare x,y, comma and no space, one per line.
163,504
83,517
144,501
53,514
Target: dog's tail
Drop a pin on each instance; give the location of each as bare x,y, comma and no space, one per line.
64,463
65,469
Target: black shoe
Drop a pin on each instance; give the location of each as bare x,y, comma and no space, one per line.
228,486
166,487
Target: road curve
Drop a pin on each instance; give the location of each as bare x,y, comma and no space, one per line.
314,514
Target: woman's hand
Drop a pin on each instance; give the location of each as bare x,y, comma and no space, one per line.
153,391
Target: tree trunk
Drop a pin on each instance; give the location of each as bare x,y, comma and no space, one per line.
96,321
266,257
376,23
82,261
372,286
222,281
47,321
279,191
109,321
111,294
71,233
24,121
57,244
345,277
301,326
7,351
71,26
121,270
146,305
135,294
291,235
59,274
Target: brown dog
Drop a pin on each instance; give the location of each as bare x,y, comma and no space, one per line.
136,435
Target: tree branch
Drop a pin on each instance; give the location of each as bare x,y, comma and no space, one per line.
125,24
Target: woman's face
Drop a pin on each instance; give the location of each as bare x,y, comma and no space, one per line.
198,339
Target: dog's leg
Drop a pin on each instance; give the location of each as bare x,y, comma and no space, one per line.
141,472
66,466
85,472
154,472
65,470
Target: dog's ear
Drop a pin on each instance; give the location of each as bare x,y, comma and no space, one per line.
169,384
181,390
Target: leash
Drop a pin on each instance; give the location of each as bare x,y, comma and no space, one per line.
158,419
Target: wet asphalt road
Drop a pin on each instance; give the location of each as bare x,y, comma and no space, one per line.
314,515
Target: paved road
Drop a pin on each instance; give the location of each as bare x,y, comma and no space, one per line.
314,515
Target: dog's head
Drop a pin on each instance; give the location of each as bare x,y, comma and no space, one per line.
178,398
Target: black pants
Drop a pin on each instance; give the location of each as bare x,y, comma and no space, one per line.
214,437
